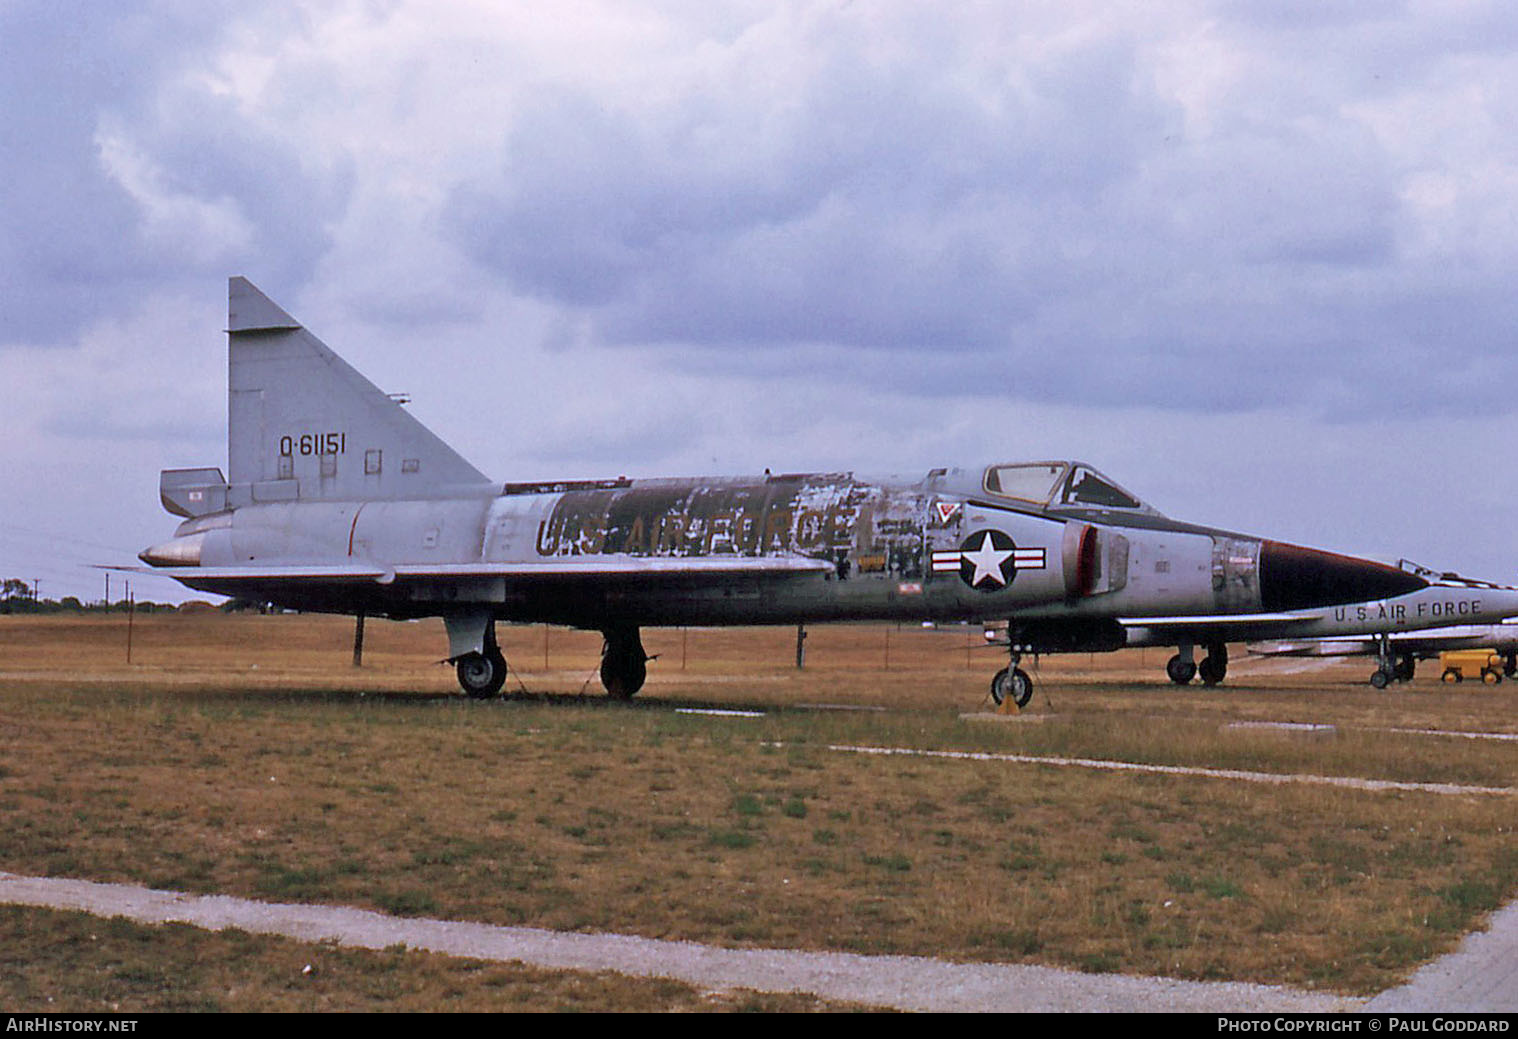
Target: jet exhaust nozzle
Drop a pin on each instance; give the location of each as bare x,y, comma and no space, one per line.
183,551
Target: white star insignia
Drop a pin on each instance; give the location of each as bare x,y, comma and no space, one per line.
987,560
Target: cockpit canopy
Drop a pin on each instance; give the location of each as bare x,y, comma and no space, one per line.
1058,485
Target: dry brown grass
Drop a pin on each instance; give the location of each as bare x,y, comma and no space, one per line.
245,755
58,961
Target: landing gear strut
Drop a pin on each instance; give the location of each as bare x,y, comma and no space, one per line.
624,664
1390,667
475,654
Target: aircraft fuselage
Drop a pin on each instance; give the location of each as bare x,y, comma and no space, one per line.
877,550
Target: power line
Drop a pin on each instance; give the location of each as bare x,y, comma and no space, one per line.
54,536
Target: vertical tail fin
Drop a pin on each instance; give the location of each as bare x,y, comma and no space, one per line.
304,424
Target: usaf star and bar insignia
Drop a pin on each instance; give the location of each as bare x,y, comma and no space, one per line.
988,560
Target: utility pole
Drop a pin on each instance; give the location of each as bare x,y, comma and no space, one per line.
800,646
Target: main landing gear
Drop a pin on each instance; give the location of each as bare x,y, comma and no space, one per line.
481,666
482,674
624,664
1391,667
1398,668
1182,667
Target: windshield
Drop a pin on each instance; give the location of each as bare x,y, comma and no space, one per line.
1058,484
1088,487
1031,482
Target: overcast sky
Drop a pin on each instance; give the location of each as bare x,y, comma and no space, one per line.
1254,260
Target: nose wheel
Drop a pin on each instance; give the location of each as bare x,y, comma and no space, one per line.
1012,683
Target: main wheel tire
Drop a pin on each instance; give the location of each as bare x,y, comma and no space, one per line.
1180,671
1380,679
481,674
1212,671
624,669
1405,667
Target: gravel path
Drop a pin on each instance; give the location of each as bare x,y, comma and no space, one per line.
905,982
1481,976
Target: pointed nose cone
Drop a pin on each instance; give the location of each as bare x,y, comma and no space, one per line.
1296,578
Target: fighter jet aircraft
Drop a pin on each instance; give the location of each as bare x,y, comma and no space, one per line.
1327,631
337,500
1404,648
1383,626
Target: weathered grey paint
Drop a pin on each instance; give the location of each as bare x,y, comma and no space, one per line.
337,500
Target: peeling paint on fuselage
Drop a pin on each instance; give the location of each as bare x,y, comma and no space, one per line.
859,527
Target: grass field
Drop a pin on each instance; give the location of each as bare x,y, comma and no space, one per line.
245,755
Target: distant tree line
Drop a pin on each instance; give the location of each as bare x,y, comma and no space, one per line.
17,596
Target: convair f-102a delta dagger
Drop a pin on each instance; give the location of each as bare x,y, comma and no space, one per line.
337,500
1393,629
1388,628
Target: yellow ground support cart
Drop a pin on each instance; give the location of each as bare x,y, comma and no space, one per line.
1461,664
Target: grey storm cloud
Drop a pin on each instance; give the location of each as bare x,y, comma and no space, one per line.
1049,206
1053,221
77,240
1201,239
873,206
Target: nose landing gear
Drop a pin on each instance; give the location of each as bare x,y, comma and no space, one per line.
1012,683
